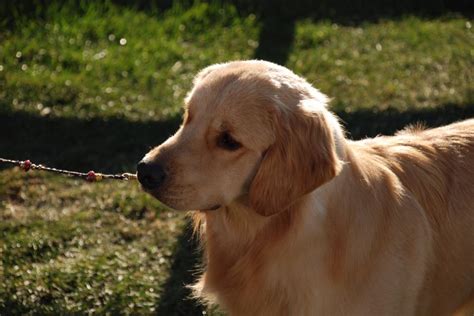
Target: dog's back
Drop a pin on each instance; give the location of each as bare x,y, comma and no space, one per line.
437,167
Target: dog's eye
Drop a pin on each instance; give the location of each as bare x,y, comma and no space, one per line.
227,142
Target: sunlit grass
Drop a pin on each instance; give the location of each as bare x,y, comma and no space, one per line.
114,61
406,63
69,246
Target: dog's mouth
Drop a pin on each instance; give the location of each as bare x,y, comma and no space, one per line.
172,202
212,208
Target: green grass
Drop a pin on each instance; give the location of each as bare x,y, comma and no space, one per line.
68,246
74,96
113,61
72,65
405,63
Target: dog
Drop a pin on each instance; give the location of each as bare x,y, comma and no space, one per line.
296,219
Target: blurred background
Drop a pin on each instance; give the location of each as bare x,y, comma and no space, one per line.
94,84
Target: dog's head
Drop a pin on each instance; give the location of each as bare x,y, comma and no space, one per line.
253,132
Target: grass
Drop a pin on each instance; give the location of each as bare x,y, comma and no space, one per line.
406,63
113,61
71,247
96,87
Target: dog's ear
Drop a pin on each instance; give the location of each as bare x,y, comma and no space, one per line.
302,158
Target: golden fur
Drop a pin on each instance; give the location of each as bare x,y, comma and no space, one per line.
310,223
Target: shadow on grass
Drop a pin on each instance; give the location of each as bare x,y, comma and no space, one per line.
111,145
367,123
116,144
275,39
340,11
176,297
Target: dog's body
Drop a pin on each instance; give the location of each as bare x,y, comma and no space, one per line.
311,223
392,234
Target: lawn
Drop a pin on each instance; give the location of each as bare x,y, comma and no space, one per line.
96,87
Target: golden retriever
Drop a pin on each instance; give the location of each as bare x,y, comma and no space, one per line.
296,219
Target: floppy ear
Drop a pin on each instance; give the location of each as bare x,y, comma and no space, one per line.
302,158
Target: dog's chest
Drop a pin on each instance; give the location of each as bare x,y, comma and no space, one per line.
282,282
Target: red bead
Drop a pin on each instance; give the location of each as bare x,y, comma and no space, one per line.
91,176
25,165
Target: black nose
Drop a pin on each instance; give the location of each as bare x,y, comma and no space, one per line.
150,175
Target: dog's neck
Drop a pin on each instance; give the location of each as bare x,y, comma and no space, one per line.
236,236
237,223
239,242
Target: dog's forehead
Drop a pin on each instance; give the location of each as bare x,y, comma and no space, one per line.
233,101
230,91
